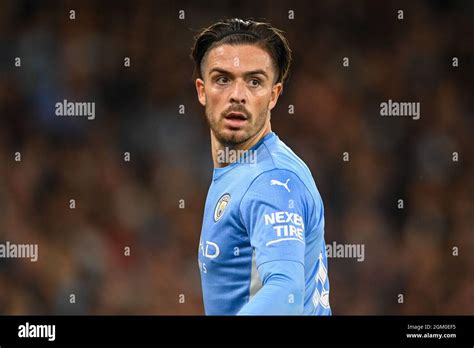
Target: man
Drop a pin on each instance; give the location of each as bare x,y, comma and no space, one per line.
262,249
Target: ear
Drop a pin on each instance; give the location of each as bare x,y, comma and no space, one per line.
200,91
276,91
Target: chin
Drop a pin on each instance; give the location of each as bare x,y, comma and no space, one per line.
233,137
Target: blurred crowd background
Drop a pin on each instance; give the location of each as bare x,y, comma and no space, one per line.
136,204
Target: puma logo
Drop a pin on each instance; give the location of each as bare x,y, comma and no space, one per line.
276,182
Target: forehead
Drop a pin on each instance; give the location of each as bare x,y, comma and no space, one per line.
239,58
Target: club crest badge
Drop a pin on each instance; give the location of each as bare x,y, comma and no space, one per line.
221,205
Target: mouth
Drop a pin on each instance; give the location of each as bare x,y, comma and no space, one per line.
235,119
235,116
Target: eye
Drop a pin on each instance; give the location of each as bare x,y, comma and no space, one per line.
254,83
222,80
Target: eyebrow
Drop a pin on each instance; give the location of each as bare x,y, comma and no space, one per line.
248,73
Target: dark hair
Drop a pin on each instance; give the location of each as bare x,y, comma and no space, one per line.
236,31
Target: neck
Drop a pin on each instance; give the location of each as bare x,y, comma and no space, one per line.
217,146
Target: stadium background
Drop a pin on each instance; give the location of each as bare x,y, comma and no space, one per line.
136,204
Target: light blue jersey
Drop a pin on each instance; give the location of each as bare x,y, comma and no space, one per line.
262,248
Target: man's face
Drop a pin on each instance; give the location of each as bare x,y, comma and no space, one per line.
238,91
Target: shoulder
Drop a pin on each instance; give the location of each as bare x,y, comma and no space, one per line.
281,160
278,186
276,169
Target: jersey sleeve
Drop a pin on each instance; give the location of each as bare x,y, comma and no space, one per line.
282,292
274,211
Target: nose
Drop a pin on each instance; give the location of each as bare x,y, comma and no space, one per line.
238,93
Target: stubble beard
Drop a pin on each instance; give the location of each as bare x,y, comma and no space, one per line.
233,139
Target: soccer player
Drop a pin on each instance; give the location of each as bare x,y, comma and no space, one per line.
262,249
